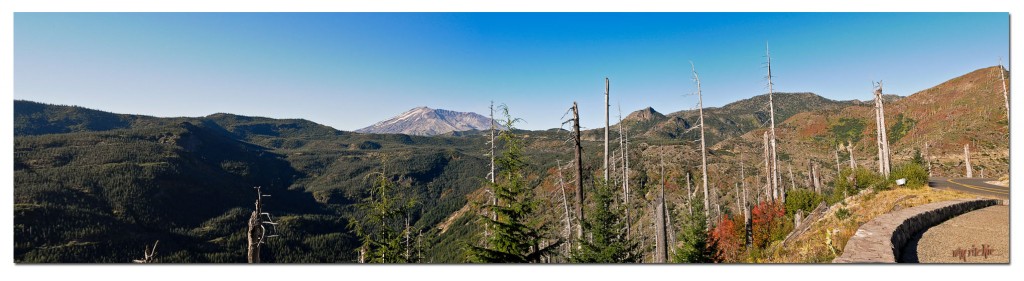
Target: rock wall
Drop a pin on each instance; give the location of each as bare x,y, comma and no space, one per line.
881,239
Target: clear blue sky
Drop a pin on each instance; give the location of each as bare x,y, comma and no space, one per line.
350,70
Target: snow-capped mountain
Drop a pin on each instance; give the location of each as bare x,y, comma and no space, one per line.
425,121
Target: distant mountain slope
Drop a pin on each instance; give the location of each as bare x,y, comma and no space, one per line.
90,186
729,121
424,121
33,118
964,110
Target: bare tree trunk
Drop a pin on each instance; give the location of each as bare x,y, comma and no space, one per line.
606,107
565,205
255,233
149,255
770,190
771,109
809,181
792,183
883,139
878,137
748,226
836,153
703,148
623,148
853,168
853,163
736,191
689,194
579,172
670,247
743,177
408,230
1006,94
814,177
628,217
927,159
743,184
661,254
967,160
492,174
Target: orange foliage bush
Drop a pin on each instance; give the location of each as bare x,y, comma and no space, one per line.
768,219
727,236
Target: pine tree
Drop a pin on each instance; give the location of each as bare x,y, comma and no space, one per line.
694,236
384,231
516,237
606,228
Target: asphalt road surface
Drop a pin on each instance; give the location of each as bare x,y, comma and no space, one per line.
980,236
975,186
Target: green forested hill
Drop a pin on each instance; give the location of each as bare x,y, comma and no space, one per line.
92,186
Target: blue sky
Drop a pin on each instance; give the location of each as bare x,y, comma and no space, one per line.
350,70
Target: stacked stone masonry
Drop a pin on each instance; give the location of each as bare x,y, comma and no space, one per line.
881,239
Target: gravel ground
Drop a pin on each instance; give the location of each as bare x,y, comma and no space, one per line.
981,236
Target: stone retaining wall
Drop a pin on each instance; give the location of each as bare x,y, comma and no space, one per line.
881,239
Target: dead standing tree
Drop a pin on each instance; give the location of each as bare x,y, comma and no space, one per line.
768,191
853,162
491,175
703,148
606,107
579,170
565,206
927,159
852,179
881,136
149,254
661,246
257,232
774,151
838,171
1006,94
967,160
623,149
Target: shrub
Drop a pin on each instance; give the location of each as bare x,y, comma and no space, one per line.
768,220
915,174
801,199
727,236
863,178
842,213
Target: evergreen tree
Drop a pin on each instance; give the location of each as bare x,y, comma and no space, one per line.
515,234
606,228
918,158
385,228
695,247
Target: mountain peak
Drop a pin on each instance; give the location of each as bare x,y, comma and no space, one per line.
644,115
425,121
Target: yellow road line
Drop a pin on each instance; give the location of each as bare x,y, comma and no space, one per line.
986,189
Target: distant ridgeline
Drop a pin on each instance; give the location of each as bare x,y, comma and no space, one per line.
98,187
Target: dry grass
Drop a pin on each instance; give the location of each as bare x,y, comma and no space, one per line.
812,246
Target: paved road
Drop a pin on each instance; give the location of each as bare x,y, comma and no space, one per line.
980,236
972,185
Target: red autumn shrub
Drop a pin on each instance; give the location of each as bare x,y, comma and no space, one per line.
768,219
727,236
